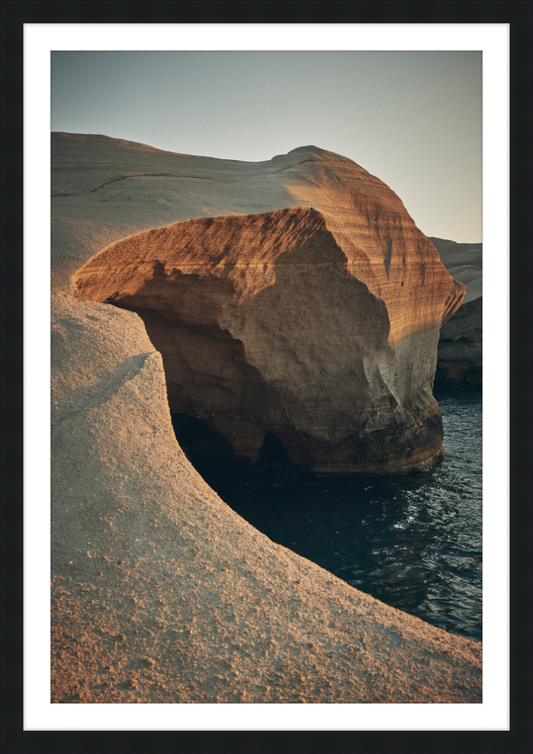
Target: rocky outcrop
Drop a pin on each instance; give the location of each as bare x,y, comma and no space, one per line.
459,355
161,593
316,324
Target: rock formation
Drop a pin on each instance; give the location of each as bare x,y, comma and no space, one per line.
459,355
318,325
160,592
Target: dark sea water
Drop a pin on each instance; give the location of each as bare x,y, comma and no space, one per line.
413,542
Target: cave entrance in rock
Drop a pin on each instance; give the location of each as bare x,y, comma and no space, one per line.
200,442
273,452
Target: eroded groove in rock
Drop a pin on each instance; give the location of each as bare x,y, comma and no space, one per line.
114,180
265,327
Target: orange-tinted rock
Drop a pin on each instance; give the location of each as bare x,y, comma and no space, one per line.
317,323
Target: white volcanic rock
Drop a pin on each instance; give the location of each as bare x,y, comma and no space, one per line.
161,593
459,355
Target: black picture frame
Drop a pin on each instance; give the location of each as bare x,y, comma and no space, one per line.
519,15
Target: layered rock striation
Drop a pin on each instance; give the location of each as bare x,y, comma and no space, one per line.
316,324
459,355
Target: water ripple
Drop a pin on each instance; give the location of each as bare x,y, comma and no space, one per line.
413,542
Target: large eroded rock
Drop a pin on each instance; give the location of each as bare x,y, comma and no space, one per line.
459,355
316,324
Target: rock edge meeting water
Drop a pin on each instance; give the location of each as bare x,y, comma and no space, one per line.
414,542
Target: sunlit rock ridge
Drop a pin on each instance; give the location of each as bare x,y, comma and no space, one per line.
297,300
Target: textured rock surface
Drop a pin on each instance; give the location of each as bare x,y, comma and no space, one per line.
459,355
163,594
318,323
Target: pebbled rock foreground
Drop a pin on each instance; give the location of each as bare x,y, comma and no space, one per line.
318,325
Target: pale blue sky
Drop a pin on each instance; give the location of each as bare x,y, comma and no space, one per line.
413,119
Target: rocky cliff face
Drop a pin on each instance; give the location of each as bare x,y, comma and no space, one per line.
316,323
459,355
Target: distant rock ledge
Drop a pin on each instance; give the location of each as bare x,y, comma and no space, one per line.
459,354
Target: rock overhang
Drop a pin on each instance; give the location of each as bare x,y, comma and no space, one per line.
265,327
